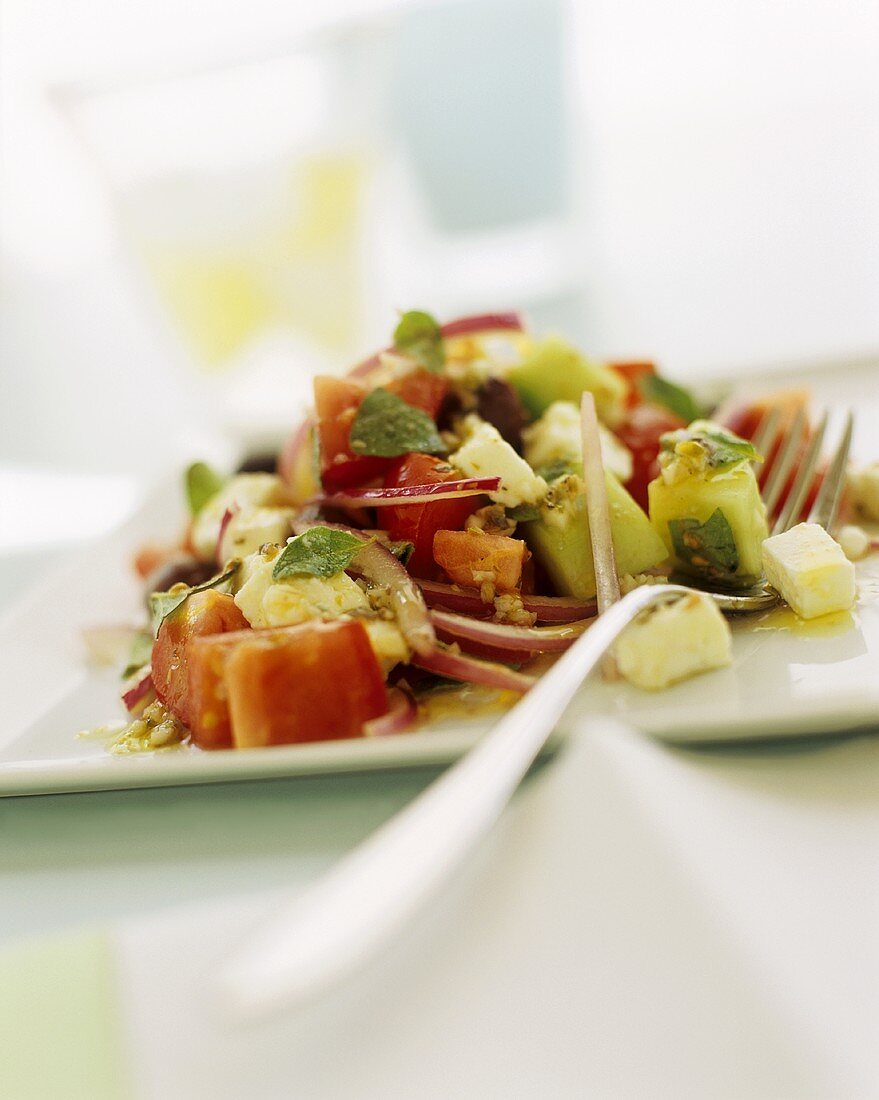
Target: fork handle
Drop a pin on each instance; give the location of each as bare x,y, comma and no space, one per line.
313,941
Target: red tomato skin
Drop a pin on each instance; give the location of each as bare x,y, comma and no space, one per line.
422,389
640,432
283,685
418,523
203,613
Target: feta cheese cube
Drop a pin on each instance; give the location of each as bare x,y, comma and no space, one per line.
865,490
855,542
809,571
486,454
674,641
265,602
556,437
246,492
247,531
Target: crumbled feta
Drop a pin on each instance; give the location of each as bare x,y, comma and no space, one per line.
266,602
486,454
809,571
865,490
388,643
245,492
247,531
556,437
855,542
674,641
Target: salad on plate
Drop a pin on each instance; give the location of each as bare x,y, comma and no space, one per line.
425,531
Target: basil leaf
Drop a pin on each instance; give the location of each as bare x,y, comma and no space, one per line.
140,654
317,552
709,548
672,397
524,513
202,483
386,426
723,448
162,604
418,334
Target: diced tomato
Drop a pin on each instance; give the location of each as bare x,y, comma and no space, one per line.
208,703
422,389
202,613
633,372
336,401
467,555
640,432
283,686
418,523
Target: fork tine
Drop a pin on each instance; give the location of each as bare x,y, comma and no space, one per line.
793,506
781,468
826,506
766,432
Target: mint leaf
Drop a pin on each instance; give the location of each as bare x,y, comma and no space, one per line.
418,334
317,552
202,483
163,604
708,548
723,448
386,426
140,654
672,397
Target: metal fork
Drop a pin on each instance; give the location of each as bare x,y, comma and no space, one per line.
315,940
824,511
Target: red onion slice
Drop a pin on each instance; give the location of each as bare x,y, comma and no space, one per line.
597,507
139,692
471,670
483,322
411,494
402,712
548,609
291,452
514,639
228,516
378,565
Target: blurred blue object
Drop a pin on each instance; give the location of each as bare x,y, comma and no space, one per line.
479,100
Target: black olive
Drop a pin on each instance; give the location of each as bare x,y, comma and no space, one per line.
181,569
499,404
260,462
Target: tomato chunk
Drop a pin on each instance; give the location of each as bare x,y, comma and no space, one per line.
472,557
202,613
633,372
318,681
418,523
640,432
422,389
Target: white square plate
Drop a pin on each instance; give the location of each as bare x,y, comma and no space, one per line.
784,682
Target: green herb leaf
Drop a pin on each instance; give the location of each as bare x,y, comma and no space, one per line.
524,513
418,334
140,653
723,448
708,548
163,604
401,549
318,552
202,483
671,396
552,471
386,426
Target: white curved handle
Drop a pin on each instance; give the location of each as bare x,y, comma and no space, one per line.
336,925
